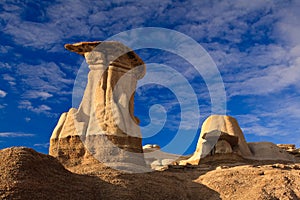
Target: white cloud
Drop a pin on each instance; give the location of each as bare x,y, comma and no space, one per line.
41,82
5,66
15,134
252,25
260,130
47,77
11,80
237,35
2,93
27,119
247,119
36,94
44,145
5,49
288,27
200,19
37,109
266,81
274,118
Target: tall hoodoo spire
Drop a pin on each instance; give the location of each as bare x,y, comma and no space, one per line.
104,122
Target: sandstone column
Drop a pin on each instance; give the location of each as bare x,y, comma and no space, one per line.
104,125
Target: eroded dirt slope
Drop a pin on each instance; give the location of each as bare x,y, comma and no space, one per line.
26,174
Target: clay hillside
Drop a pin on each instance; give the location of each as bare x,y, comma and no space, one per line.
96,150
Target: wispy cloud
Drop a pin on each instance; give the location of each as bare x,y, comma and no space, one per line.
254,43
15,134
27,119
11,80
279,117
266,81
5,49
2,93
46,77
37,95
38,82
43,145
38,109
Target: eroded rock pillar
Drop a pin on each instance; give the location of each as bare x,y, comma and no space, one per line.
105,121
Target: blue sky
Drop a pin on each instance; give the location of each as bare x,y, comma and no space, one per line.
255,46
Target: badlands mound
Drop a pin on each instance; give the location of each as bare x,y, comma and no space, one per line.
26,174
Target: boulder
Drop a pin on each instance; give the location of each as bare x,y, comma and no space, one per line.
150,148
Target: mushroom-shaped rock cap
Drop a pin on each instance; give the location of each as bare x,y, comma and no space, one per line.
114,49
82,47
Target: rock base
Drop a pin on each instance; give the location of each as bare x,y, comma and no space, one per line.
75,150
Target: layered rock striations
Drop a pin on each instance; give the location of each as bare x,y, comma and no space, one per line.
104,125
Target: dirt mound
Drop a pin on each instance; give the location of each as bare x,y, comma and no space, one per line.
26,174
276,181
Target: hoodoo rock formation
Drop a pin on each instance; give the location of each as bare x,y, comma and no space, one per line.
104,125
222,138
220,135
